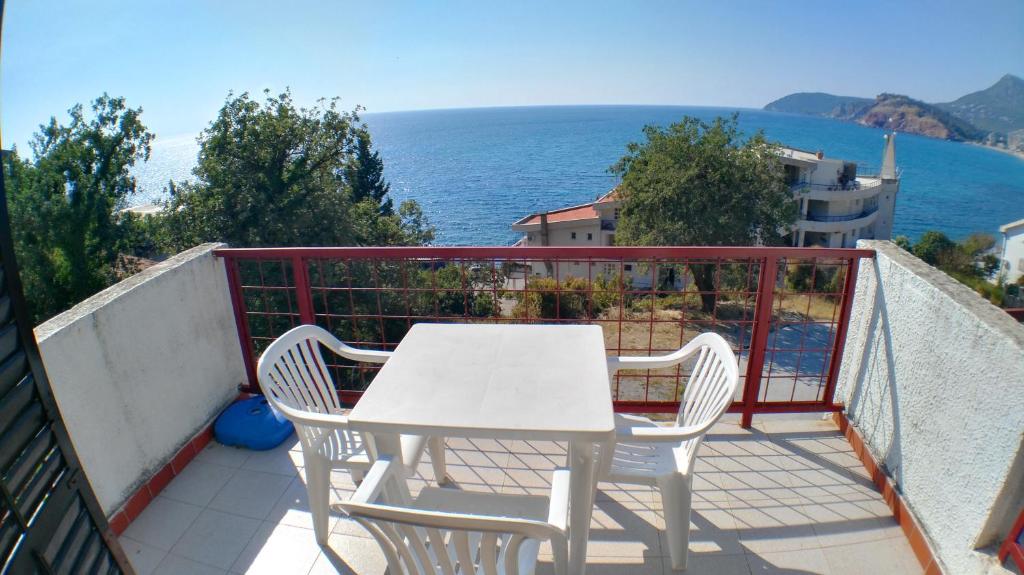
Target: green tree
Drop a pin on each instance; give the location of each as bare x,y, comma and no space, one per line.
365,174
696,183
64,202
272,174
903,242
970,261
932,246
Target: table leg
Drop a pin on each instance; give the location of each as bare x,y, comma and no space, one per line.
435,444
581,505
397,491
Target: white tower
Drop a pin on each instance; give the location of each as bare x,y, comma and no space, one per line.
890,187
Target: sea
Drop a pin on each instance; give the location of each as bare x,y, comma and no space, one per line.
475,171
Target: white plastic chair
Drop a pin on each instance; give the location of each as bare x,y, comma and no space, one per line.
454,532
662,456
294,378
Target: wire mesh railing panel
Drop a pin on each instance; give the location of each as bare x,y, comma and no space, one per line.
781,309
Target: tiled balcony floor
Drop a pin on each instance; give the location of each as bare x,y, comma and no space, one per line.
786,497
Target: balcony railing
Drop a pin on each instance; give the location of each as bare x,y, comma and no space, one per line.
847,218
785,310
853,185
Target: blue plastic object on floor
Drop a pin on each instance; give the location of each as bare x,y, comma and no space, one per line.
253,424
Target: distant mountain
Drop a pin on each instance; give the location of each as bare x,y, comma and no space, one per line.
819,104
905,114
994,116
998,108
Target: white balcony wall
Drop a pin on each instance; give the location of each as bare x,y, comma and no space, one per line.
142,366
933,379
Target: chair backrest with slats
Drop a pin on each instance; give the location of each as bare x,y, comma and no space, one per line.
428,542
292,371
711,386
415,543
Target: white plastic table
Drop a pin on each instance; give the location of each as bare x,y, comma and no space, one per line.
528,382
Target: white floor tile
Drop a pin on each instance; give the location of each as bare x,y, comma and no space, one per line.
144,558
224,455
889,556
293,508
162,523
198,483
251,494
280,460
216,538
278,550
350,556
176,565
699,564
798,561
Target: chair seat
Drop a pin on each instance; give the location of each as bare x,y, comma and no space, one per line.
345,448
640,461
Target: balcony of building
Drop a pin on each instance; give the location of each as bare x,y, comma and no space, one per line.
830,222
860,188
877,428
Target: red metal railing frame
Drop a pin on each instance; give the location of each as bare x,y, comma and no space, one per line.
759,336
536,253
767,257
1010,547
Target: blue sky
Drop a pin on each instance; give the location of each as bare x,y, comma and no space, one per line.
179,59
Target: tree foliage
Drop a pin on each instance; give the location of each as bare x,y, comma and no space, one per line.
969,261
696,183
572,298
365,174
273,174
64,202
932,246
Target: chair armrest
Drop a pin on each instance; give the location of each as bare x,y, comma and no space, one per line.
653,362
703,340
361,355
558,510
374,480
661,434
330,420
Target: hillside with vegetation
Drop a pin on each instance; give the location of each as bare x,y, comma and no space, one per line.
993,116
819,104
998,108
905,114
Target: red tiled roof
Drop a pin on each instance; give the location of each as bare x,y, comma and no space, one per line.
585,212
573,213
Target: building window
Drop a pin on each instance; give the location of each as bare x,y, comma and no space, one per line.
529,237
615,214
628,267
574,235
590,236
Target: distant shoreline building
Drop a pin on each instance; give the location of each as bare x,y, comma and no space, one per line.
838,206
1012,257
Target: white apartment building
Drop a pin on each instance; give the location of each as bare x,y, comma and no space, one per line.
838,205
1012,256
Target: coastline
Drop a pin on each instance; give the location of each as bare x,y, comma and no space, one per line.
1019,154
